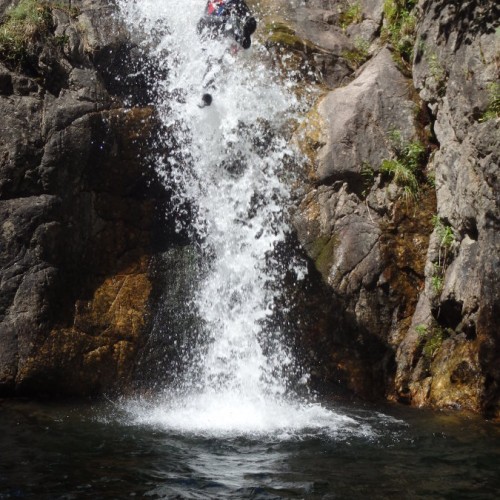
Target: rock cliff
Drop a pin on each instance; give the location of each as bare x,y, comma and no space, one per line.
400,212
78,200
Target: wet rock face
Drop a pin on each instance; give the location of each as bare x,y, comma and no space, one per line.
456,72
412,279
76,213
357,226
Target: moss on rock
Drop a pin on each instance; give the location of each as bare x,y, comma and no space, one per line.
324,260
309,138
282,35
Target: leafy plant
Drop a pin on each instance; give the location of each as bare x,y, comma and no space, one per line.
431,179
61,40
434,341
437,280
350,13
368,175
493,109
26,26
446,240
400,27
437,72
401,173
421,330
444,232
403,169
432,337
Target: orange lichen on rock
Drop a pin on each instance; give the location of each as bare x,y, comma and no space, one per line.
98,349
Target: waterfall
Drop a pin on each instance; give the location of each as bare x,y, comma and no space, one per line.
229,163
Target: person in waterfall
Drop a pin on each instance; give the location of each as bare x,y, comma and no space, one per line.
227,18
230,18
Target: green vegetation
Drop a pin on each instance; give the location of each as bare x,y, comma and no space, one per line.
493,109
350,13
433,339
368,175
433,342
435,67
437,279
421,330
400,28
446,239
61,40
359,54
436,71
444,232
24,26
401,173
404,168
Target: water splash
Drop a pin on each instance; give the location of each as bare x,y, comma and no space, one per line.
228,162
227,414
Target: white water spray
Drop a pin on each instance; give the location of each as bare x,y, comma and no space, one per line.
228,161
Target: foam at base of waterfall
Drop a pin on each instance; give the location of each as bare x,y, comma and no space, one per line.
234,414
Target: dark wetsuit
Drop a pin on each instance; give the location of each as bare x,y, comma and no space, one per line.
228,18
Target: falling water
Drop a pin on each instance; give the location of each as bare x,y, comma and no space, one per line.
229,163
231,427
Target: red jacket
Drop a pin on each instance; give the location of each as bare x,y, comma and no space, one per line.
215,7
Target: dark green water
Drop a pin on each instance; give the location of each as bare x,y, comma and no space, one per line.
63,451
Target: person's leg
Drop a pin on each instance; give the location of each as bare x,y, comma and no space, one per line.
248,24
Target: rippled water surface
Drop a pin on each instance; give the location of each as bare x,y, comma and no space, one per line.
73,451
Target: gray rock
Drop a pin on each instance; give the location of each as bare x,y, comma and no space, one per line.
373,9
365,31
366,242
358,119
311,25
